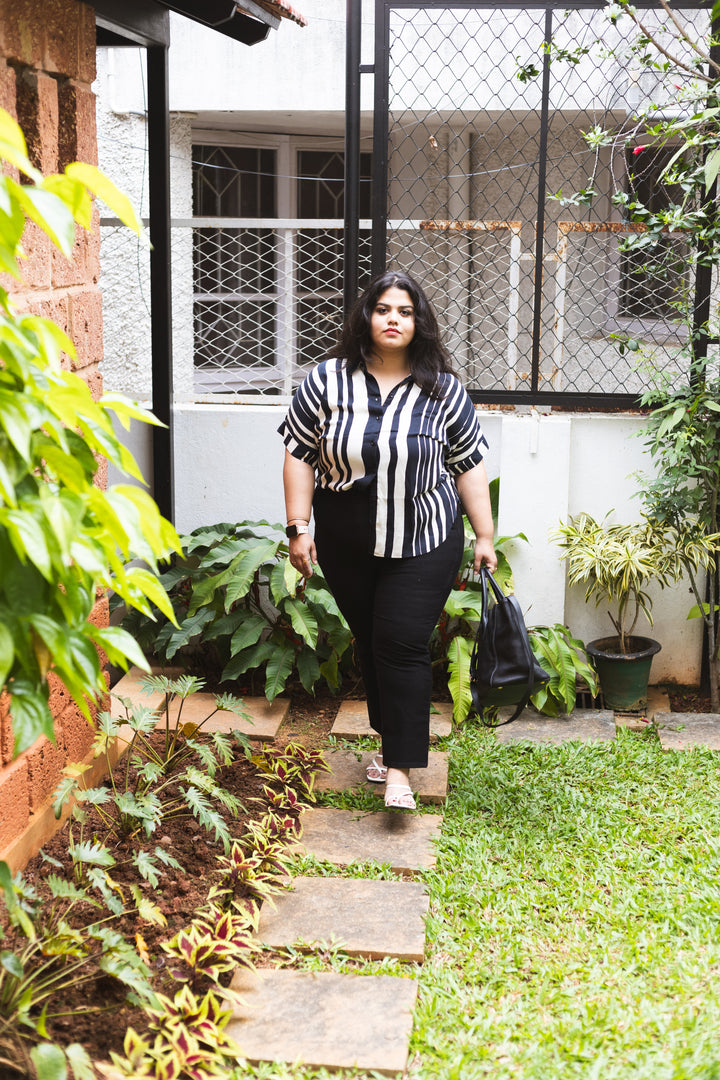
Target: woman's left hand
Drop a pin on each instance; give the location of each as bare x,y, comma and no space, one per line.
484,554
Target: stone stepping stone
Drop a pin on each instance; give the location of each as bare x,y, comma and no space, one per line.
265,716
352,721
582,725
429,785
405,841
325,1019
683,731
373,919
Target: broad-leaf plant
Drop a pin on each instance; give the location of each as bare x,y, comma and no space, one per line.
62,538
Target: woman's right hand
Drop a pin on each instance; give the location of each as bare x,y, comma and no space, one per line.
303,554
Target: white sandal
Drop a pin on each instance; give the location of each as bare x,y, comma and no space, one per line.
399,797
376,772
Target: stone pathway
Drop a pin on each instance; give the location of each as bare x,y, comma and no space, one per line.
352,721
346,1020
685,731
331,1019
583,725
347,772
364,918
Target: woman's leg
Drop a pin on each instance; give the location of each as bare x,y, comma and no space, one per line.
409,597
342,539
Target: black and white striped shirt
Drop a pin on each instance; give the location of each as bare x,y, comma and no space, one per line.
405,449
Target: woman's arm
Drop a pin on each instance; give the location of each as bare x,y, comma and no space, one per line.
474,492
299,485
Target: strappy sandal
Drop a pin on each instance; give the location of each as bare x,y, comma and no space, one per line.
399,797
376,772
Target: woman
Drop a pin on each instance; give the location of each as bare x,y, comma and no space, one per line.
381,439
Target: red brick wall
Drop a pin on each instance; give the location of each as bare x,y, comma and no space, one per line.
47,65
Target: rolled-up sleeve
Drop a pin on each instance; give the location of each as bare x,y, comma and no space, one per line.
300,428
466,442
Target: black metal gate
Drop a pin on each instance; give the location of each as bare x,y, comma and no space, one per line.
481,121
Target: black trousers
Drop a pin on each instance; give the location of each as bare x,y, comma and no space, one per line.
391,606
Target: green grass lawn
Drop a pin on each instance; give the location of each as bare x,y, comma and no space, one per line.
574,926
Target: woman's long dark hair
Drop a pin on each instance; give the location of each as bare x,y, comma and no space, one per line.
426,352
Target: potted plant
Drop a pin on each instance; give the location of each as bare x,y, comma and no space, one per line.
616,563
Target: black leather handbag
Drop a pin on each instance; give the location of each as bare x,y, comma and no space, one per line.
503,668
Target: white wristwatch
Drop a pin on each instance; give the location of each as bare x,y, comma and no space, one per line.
296,530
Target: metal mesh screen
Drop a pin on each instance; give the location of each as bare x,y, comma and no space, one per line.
483,144
267,300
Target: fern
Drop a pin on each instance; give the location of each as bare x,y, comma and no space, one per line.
203,812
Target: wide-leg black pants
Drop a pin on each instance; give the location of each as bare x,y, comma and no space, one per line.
392,607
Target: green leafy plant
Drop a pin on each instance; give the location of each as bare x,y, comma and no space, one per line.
452,641
617,562
564,658
240,606
45,956
682,434
186,1038
61,537
176,777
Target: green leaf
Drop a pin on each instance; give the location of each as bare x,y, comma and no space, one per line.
308,668
279,666
244,570
29,713
73,194
12,964
712,167
120,646
7,653
303,621
49,1061
248,660
248,633
80,1062
100,185
49,212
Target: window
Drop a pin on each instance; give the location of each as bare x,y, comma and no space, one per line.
652,276
267,297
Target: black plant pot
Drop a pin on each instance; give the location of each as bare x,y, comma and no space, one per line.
623,677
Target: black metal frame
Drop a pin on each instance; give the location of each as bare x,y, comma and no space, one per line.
147,23
380,72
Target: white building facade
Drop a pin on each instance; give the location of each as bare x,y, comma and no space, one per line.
257,163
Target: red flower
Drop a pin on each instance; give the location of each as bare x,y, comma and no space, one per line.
637,149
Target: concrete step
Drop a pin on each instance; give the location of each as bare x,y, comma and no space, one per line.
582,725
348,773
352,721
684,731
325,1020
403,840
372,919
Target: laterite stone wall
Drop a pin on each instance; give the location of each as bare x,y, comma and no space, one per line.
47,66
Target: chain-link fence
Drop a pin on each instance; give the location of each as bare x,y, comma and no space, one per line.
501,203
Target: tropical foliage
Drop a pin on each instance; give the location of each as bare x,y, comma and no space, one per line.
616,563
61,537
239,606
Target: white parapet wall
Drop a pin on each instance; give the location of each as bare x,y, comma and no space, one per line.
228,463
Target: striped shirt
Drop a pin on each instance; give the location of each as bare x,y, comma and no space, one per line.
405,450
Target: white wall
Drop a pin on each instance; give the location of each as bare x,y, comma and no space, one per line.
228,462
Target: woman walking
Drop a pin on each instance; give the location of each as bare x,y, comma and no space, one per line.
383,446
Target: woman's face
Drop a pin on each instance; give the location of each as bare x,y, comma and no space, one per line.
392,323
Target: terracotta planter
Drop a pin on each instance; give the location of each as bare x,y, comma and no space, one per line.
623,677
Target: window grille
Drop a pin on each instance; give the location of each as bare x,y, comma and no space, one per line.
268,290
